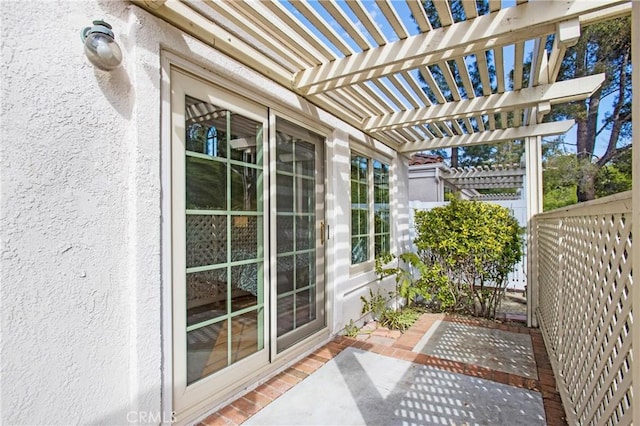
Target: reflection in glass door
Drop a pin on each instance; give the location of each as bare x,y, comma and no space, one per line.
299,233
224,220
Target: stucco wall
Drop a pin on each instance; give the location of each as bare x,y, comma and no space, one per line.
80,285
424,183
81,296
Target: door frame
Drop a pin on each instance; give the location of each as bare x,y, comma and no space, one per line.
296,110
321,247
185,394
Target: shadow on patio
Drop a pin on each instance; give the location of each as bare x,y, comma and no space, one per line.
444,370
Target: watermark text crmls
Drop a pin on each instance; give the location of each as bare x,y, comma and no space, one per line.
146,417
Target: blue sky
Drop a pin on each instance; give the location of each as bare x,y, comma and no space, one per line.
403,11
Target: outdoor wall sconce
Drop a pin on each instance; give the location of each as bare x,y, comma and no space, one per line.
100,46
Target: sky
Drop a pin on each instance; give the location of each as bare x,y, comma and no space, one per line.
403,11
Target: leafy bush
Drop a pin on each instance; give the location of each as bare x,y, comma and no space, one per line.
376,304
400,320
474,246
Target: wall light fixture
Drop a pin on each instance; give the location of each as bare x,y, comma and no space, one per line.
100,46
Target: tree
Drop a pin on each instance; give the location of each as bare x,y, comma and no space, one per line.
602,47
559,175
503,153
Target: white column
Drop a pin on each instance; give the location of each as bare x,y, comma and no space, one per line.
533,188
635,210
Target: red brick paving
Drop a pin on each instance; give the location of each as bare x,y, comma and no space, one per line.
399,345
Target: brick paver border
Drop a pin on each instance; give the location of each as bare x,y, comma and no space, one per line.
244,407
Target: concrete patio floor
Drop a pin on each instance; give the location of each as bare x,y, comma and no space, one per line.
444,370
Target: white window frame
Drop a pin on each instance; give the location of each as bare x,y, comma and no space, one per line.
372,156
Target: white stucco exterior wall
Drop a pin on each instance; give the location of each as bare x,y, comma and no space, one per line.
80,286
80,212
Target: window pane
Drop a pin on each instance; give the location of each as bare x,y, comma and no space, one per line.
244,286
305,159
206,128
206,295
206,187
285,233
245,135
382,225
359,250
244,336
306,198
243,188
284,189
206,351
285,314
305,235
206,240
305,307
285,274
244,237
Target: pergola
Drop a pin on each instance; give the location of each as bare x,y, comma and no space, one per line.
499,177
341,61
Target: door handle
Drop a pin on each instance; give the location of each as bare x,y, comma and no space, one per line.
322,232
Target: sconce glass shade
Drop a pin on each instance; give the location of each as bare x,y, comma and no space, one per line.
100,46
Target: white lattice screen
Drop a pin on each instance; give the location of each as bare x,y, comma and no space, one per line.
585,284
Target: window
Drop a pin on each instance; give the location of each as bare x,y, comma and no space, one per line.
369,205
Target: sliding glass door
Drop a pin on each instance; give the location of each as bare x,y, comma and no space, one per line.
300,233
247,238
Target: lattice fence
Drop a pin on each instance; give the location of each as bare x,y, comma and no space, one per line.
584,286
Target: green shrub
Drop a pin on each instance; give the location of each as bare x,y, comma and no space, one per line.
467,249
400,320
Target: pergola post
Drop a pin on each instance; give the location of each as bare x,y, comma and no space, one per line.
533,190
635,209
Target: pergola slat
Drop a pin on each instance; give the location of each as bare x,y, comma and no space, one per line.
433,86
444,12
341,18
468,125
389,94
517,78
299,29
271,23
494,5
373,97
483,69
237,18
411,81
499,64
408,95
465,77
490,136
417,9
364,98
314,17
392,16
480,123
470,9
426,131
451,82
367,21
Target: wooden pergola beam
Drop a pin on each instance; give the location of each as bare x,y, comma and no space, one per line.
490,136
563,91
